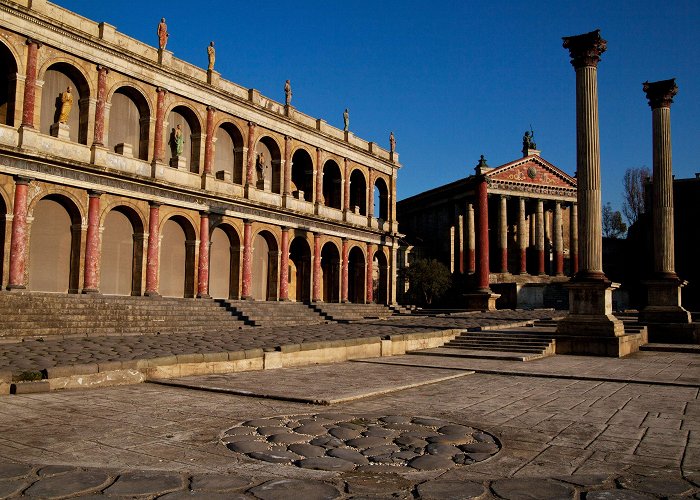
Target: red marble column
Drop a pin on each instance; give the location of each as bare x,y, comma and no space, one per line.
344,272
30,83
160,118
471,239
250,166
317,268
153,250
370,272
319,176
92,244
209,142
284,264
346,186
100,105
18,244
482,237
203,264
247,259
287,165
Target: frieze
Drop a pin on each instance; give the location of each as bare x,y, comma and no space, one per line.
534,188
530,172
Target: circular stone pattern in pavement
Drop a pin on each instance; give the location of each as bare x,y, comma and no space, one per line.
343,442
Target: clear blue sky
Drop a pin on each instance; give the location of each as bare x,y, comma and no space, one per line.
452,79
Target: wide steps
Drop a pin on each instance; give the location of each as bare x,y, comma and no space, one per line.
269,314
351,312
480,354
511,341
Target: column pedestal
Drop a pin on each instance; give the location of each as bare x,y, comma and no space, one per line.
664,299
481,301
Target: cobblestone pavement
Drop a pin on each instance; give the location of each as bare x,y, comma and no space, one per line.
559,438
46,353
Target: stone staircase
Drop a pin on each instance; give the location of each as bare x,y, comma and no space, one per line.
345,313
260,313
48,314
523,344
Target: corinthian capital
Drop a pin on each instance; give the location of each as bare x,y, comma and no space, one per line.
660,94
585,50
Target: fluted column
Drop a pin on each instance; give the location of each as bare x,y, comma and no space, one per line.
19,238
370,273
247,259
460,242
558,237
284,264
203,264
540,236
482,230
153,250
250,165
209,141
503,233
92,245
471,239
573,239
160,119
100,106
316,296
30,84
522,236
344,272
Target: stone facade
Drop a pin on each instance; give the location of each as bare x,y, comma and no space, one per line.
263,202
530,209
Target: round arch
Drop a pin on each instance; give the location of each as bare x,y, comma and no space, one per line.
381,199
129,121
330,272
183,119
332,185
58,75
177,256
356,275
8,85
121,257
224,262
268,165
264,262
380,277
228,152
300,269
302,175
358,192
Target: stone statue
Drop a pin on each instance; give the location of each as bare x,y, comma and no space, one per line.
346,120
66,106
528,140
260,166
392,142
212,56
179,141
287,93
162,34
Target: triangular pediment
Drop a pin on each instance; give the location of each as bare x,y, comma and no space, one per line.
532,170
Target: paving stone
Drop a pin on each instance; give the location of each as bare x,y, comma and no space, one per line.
141,483
618,495
241,438
352,426
457,439
344,433
482,437
657,486
335,417
479,448
288,438
396,419
203,495
378,432
12,487
316,420
71,483
431,462
462,459
218,482
410,442
327,442
237,431
11,471
269,430
376,484
378,469
429,421
478,457
263,422
326,463
406,455
349,455
307,450
312,429
454,490
52,470
277,457
367,442
585,479
380,450
442,449
456,429
538,489
279,489
248,446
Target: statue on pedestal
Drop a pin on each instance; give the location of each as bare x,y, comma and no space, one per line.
287,93
211,53
162,34
346,120
392,142
66,106
528,140
260,166
177,142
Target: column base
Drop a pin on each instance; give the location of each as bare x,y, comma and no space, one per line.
674,333
481,301
151,294
203,296
590,311
16,288
247,297
592,345
664,303
90,291
286,299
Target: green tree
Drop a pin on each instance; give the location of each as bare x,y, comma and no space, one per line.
428,279
613,227
633,195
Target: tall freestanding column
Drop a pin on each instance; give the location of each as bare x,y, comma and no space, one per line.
30,84
100,106
503,233
590,292
344,272
18,243
203,264
158,153
471,240
92,244
209,141
247,259
558,237
153,250
540,237
573,239
284,264
664,290
316,288
522,236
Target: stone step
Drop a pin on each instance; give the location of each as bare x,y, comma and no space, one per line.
487,342
270,314
96,331
480,354
497,347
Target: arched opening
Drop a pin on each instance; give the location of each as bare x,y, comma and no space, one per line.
332,185
3,217
8,86
190,128
302,175
330,273
268,165
120,269
300,270
177,266
224,263
380,278
356,276
358,193
129,121
228,154
381,200
264,267
54,250
57,79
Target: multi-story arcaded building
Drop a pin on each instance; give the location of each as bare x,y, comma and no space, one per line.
164,179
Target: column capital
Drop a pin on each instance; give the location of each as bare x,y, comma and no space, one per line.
204,213
161,90
247,222
211,108
285,228
102,68
154,204
585,49
660,94
93,193
19,179
32,41
251,125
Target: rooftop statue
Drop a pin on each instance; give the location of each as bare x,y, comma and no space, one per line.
211,53
162,34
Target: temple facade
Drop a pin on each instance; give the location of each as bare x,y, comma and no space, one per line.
124,170
530,237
